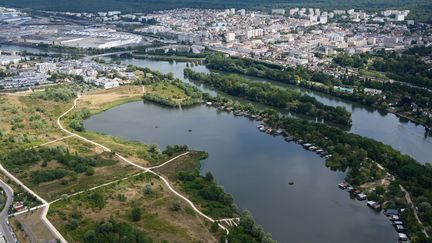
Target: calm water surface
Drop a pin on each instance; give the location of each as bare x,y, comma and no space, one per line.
256,169
402,135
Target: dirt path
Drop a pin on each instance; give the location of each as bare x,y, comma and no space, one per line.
408,199
410,202
191,204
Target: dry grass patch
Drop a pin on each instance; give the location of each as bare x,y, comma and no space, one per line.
158,220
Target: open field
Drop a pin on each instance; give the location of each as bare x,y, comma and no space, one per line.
94,190
101,100
167,90
158,219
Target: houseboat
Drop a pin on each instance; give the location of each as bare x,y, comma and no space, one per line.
361,197
319,151
307,145
374,205
279,131
398,222
391,212
343,185
350,189
400,228
402,237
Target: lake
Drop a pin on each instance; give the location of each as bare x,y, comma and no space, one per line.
401,134
256,169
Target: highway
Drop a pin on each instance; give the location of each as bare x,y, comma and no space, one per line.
6,230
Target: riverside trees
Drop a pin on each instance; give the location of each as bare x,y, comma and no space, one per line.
273,96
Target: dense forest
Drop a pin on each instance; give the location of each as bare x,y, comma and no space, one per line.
421,9
273,96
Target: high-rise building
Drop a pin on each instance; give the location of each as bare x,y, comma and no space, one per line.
45,67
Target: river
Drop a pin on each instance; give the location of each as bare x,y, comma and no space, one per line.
400,133
256,169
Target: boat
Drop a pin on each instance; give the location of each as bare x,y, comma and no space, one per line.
279,131
361,197
356,191
374,205
313,148
343,185
402,237
391,212
394,218
398,222
307,145
400,228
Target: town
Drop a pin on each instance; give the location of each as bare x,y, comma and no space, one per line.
350,88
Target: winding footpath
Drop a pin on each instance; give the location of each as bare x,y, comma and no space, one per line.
410,202
149,170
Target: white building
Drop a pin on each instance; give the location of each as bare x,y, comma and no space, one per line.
400,17
45,67
106,83
6,59
323,19
254,33
230,36
280,11
293,11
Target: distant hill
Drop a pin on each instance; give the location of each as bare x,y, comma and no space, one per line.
422,9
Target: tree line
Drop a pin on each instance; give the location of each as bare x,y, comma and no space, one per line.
273,96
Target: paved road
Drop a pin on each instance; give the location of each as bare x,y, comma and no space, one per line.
45,205
5,228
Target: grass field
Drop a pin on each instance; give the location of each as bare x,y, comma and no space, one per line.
21,114
158,220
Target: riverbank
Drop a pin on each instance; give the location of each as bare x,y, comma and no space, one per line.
65,165
276,97
168,58
364,91
363,167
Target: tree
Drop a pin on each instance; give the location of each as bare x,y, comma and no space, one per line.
90,171
214,227
136,214
209,176
148,190
90,236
